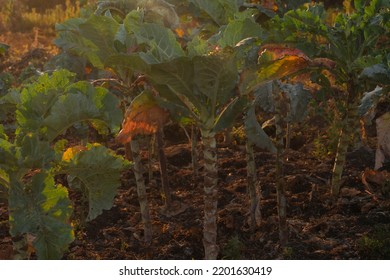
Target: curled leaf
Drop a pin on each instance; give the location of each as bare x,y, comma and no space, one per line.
97,169
275,52
143,117
278,61
376,181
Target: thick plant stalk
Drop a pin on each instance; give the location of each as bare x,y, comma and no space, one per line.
349,126
339,160
163,169
141,191
254,192
280,184
347,131
210,195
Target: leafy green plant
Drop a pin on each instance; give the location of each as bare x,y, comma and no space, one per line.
145,117
289,103
353,43
372,106
6,82
3,49
39,207
233,249
126,45
203,88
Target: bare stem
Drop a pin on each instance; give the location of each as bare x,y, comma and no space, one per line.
141,191
210,195
163,169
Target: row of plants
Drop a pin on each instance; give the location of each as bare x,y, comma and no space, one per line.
207,65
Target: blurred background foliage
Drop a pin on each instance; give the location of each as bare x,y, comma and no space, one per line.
25,15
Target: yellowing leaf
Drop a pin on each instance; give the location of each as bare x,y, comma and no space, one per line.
275,52
282,67
324,62
278,61
71,152
269,5
180,32
143,116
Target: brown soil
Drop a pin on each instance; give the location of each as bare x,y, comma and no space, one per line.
320,227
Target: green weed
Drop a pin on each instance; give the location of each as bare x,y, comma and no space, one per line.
376,245
233,249
288,253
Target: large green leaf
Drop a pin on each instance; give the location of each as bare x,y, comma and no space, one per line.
178,111
177,77
6,82
101,31
215,79
99,172
238,30
5,155
203,84
2,133
198,46
4,184
42,210
228,115
133,21
129,62
34,153
221,11
69,110
11,99
53,104
69,61
38,98
161,42
69,39
8,159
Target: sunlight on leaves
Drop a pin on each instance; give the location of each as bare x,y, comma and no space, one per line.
143,117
